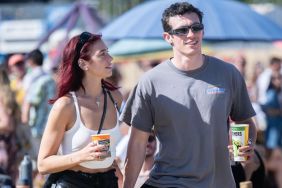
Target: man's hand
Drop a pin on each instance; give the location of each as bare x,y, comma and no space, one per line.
244,151
247,152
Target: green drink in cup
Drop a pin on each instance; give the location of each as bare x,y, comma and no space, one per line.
240,136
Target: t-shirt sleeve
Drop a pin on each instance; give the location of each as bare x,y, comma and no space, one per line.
125,115
34,95
137,111
241,105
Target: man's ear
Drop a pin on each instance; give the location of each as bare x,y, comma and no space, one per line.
168,38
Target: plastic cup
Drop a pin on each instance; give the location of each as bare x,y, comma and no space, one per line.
102,139
240,136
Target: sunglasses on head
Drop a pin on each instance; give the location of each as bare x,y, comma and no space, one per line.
151,138
196,27
83,38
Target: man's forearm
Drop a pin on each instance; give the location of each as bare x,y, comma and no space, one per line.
134,161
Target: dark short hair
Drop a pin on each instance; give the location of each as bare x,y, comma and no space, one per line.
36,56
275,60
180,8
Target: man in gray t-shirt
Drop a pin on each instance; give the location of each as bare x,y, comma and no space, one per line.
188,100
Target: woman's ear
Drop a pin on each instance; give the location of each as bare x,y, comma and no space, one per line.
82,64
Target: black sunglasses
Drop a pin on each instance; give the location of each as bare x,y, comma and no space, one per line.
195,28
83,38
151,138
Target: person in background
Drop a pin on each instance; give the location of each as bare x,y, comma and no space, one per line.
5,179
264,78
274,168
149,160
262,84
8,106
254,169
188,99
260,118
86,105
240,63
273,110
39,88
34,65
115,78
252,86
14,141
17,70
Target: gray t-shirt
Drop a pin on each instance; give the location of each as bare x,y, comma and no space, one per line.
189,111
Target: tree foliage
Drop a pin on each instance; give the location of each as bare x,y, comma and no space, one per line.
114,8
262,1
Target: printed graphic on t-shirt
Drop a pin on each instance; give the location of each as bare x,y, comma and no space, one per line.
212,90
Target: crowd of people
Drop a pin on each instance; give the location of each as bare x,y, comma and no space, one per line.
25,91
172,130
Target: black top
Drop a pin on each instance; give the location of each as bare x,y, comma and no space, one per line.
257,178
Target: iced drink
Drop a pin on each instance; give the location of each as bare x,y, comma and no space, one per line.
102,139
240,136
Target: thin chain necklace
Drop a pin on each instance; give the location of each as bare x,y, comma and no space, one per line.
98,100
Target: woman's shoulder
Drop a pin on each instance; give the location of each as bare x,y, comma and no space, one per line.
64,104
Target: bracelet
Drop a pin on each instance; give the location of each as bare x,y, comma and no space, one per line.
250,142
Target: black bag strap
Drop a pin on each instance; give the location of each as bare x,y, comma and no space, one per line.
113,100
105,91
104,111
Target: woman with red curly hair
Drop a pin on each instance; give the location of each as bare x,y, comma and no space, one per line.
79,111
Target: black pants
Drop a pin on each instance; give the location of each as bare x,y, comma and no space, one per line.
150,186
147,186
72,179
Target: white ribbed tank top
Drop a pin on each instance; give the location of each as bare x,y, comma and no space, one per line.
79,136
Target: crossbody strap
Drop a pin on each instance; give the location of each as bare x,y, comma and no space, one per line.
105,91
104,111
113,100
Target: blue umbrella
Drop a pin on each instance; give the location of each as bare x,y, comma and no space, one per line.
223,20
138,46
